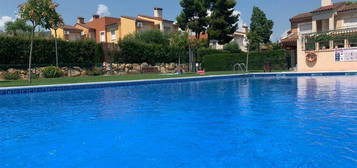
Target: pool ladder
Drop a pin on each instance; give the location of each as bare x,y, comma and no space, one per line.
239,66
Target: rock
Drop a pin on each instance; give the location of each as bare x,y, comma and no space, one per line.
74,73
171,66
133,72
144,65
136,67
11,70
163,70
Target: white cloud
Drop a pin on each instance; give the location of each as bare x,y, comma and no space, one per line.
3,20
103,10
241,22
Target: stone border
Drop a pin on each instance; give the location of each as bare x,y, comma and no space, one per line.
76,86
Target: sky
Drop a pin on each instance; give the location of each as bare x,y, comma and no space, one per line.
277,10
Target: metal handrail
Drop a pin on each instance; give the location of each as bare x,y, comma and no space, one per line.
241,67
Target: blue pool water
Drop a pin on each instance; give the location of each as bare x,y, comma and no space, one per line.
244,122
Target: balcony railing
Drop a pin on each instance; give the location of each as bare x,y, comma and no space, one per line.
341,38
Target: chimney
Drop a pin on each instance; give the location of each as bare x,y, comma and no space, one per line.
246,29
80,20
158,12
326,2
95,16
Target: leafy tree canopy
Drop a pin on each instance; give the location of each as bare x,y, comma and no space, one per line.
17,26
194,16
260,29
223,21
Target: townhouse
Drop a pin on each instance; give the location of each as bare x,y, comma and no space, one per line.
111,29
324,39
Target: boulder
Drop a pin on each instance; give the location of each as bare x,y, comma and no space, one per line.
136,67
11,70
74,73
144,65
172,66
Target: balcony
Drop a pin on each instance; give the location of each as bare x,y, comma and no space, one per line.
328,40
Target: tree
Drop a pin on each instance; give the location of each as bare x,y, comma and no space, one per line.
33,12
53,20
223,21
260,29
232,47
37,12
151,37
194,16
14,27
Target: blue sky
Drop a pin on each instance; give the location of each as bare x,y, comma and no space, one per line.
278,10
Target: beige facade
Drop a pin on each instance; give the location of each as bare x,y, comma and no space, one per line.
111,30
68,33
324,32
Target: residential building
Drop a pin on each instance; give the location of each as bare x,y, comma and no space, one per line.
239,37
88,33
324,39
67,32
100,25
111,30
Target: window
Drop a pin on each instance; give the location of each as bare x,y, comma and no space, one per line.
323,45
352,42
113,35
350,22
339,43
102,36
310,45
66,32
139,24
305,27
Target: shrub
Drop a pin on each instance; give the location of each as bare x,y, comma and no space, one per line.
14,52
52,72
232,47
11,75
94,72
133,51
202,52
225,61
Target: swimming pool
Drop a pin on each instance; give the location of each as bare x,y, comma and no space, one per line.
236,122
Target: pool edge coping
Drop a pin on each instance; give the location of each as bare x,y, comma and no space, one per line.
73,86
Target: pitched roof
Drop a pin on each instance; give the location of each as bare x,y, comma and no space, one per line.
291,38
156,18
136,19
329,7
72,28
302,16
85,26
348,7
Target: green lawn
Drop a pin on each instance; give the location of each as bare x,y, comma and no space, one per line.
85,79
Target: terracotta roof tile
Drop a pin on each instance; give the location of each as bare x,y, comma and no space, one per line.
136,19
85,26
330,7
156,18
68,27
302,16
348,7
293,37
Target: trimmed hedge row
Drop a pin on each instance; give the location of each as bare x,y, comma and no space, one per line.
225,61
133,51
14,52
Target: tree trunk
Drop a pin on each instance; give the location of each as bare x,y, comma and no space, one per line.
30,57
56,48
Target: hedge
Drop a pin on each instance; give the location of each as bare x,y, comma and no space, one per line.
14,53
225,61
133,51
